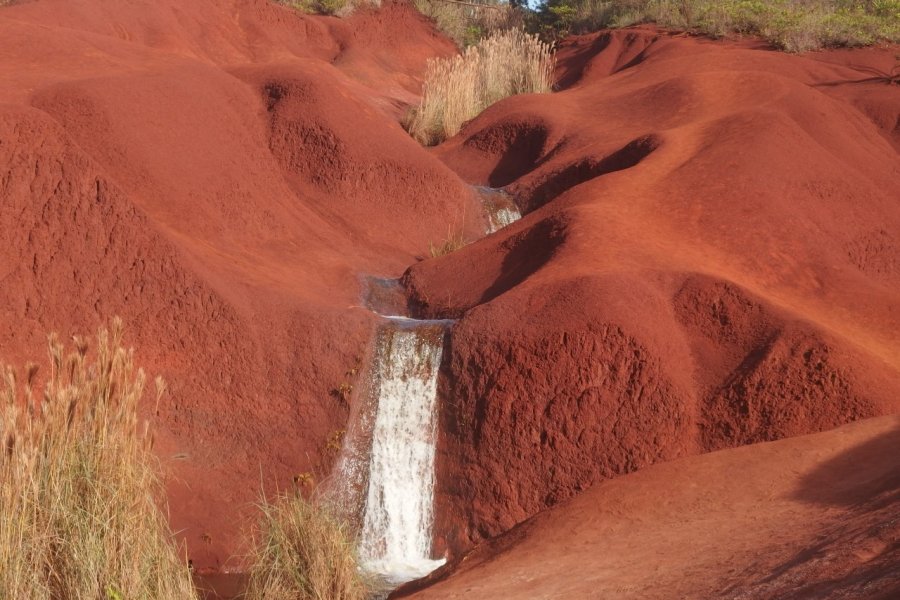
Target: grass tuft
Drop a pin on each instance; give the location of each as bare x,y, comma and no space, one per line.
457,89
305,553
452,243
80,499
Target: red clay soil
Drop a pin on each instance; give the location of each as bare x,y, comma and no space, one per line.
218,173
710,258
811,517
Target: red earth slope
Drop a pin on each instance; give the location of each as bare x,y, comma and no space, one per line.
815,516
710,258
218,173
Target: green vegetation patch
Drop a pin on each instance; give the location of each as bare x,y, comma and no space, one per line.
339,8
792,25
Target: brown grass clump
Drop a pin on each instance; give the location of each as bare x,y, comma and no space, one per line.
452,243
458,88
306,553
79,496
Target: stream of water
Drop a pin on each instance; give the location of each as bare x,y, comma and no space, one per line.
399,508
499,208
389,460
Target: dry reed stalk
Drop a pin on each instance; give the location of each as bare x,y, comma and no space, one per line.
79,495
453,242
305,553
457,89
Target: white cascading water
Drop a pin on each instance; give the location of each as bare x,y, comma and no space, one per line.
504,217
399,508
498,207
395,471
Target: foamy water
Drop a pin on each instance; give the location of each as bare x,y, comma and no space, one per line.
398,513
499,208
503,217
398,517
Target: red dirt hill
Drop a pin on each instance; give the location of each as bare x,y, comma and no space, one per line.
218,173
811,517
710,258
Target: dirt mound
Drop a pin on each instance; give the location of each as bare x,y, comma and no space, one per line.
218,173
707,260
811,517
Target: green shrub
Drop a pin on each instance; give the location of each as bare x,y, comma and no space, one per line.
466,24
457,89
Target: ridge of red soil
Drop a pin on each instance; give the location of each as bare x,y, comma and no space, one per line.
710,258
814,516
219,173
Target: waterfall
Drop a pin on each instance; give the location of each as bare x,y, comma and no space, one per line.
387,463
397,519
499,208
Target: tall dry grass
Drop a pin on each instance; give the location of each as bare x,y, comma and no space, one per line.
457,89
80,513
306,553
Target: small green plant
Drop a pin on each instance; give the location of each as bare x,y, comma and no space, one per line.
304,480
344,391
335,441
469,22
305,553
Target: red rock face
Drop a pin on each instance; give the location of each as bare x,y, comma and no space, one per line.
709,260
533,419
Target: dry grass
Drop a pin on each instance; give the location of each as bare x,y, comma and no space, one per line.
457,89
79,499
452,243
792,25
305,554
